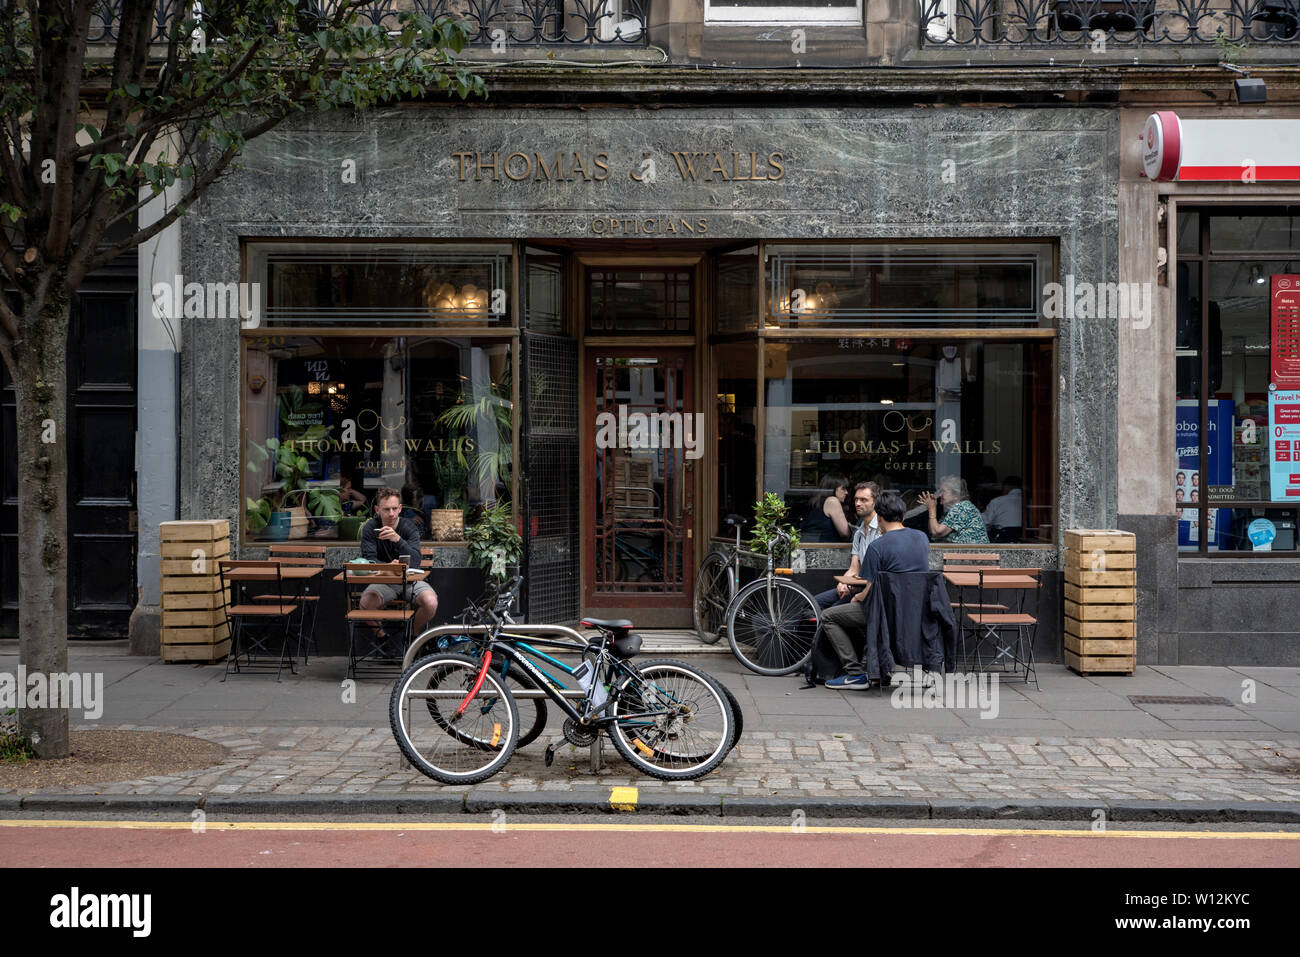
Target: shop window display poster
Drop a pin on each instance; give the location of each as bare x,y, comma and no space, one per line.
1187,478
1284,444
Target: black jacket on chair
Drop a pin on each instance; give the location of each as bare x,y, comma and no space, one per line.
909,622
907,619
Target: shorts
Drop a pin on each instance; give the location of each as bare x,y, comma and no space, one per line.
388,593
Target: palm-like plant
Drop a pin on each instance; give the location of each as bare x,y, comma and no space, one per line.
484,408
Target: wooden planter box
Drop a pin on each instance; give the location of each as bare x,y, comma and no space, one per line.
1100,601
193,604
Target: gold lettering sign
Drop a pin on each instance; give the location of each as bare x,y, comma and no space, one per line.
703,166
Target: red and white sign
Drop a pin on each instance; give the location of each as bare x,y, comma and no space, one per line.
1284,316
1217,150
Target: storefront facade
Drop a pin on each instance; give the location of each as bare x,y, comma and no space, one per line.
815,292
1221,246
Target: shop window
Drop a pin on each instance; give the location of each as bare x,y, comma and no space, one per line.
908,413
371,283
329,420
860,284
736,289
783,11
1238,379
640,300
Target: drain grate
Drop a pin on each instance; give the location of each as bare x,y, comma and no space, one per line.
1178,699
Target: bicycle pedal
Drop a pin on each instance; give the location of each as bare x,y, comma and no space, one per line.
550,754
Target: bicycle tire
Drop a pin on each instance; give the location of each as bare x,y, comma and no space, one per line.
688,740
529,731
712,595
773,639
450,749
738,724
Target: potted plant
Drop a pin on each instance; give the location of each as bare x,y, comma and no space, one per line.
481,411
350,525
494,542
770,514
291,462
448,523
323,512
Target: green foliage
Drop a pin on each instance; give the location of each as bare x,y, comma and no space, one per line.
451,474
14,745
257,514
494,541
480,409
769,516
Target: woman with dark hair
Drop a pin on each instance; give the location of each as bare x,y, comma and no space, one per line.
825,521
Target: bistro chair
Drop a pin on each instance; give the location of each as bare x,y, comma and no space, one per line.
396,620
993,627
306,556
969,562
254,625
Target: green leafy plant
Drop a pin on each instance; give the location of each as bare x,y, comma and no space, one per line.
257,514
769,515
14,745
451,474
494,541
482,409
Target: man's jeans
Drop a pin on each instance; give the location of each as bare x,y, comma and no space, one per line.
828,598
838,622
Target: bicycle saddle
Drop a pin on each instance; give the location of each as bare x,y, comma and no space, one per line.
611,624
736,520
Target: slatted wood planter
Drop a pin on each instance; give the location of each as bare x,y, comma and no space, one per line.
193,604
1100,601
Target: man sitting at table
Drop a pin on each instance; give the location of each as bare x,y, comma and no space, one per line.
899,549
387,538
868,530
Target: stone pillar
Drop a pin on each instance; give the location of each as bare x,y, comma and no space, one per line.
157,440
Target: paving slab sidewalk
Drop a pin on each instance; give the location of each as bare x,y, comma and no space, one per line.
1077,747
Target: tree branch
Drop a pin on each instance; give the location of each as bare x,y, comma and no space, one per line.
66,97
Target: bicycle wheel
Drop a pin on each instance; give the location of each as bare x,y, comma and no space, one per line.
671,721
738,717
772,624
712,593
532,711
442,742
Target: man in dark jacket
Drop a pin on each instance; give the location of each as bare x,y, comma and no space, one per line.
388,538
899,549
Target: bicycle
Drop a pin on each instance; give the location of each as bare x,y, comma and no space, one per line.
716,585
665,718
773,621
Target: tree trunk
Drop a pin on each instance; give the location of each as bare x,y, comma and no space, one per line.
41,386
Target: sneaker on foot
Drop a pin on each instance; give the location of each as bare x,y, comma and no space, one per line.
849,681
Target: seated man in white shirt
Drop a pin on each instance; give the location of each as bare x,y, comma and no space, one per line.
868,530
1004,516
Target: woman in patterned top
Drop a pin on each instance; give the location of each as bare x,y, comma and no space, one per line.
962,523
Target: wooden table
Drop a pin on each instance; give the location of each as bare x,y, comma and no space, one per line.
971,579
413,575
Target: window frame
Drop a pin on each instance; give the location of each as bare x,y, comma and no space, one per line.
1208,210
765,332
777,14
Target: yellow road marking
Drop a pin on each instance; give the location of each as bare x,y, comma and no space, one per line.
623,799
1085,831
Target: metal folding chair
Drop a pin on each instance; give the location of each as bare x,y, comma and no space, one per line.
969,562
254,624
364,641
991,626
309,556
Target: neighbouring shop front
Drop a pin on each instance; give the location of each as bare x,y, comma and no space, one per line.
629,331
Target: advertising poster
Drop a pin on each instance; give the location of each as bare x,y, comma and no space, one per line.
1284,329
1187,477
1284,444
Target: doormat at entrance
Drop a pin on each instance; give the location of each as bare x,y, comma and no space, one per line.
1178,699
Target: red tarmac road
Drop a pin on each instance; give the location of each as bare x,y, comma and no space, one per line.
529,843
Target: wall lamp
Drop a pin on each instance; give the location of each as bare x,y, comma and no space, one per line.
1249,89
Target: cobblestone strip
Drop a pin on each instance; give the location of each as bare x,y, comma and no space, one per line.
360,761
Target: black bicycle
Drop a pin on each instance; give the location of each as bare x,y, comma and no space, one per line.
455,715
